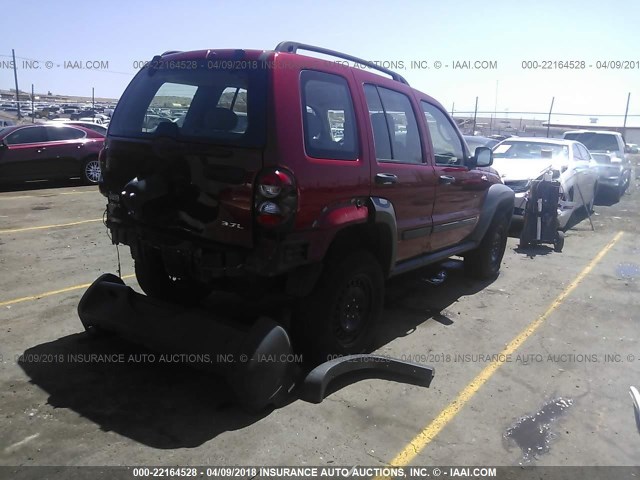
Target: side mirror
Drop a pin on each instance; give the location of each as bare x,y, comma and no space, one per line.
3,143
483,157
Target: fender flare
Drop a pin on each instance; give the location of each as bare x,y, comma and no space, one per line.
384,213
499,198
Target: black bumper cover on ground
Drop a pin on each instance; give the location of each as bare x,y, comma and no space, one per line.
256,360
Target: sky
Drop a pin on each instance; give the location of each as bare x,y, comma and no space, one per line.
124,33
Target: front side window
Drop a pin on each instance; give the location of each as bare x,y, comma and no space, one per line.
394,126
447,147
328,117
27,135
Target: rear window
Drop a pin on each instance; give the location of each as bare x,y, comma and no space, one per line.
595,141
530,150
64,133
202,104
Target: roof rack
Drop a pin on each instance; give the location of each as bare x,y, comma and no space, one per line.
293,47
168,52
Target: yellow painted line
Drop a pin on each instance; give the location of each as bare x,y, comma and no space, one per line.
44,195
52,292
420,441
45,227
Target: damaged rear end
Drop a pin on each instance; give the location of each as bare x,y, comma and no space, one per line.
180,164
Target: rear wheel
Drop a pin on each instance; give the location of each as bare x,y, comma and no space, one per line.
484,261
156,282
343,312
91,171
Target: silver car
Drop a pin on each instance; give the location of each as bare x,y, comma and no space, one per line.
520,160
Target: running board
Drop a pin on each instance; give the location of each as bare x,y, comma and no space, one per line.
431,258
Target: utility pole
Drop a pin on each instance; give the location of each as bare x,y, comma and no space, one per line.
93,101
495,105
475,114
453,106
549,118
33,115
15,77
624,125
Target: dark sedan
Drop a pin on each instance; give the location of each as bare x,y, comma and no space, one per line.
36,152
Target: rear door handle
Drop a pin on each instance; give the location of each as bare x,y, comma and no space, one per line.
386,178
446,179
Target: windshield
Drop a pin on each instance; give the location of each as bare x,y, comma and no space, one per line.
200,104
531,150
602,142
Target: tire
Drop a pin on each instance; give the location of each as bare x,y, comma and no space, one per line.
342,314
156,282
90,173
626,181
484,262
558,242
616,194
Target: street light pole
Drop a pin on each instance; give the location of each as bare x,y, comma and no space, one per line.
15,77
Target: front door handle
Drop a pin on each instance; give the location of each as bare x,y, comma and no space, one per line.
446,179
386,178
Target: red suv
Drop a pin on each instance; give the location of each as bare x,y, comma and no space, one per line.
34,152
298,175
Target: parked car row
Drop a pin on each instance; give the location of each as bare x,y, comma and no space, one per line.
584,162
54,110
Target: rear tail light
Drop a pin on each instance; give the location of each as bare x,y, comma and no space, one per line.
276,198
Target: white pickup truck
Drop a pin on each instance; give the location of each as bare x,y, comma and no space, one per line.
608,150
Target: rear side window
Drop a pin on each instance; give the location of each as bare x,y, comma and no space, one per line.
27,135
328,117
222,106
447,147
395,130
64,133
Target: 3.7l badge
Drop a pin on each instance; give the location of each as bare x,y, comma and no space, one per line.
231,225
